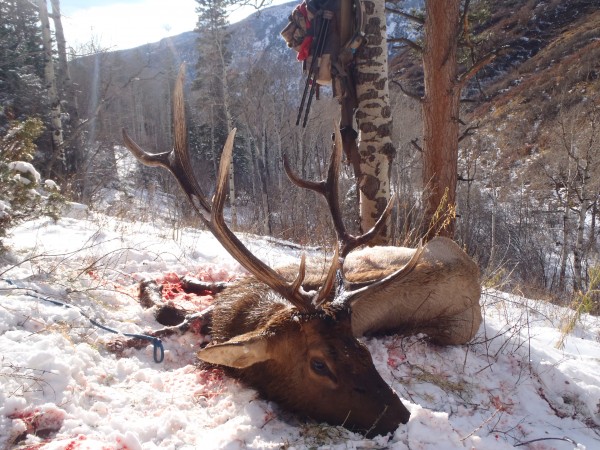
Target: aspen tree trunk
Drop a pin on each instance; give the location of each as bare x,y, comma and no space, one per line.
63,73
263,165
374,119
213,145
578,251
564,252
279,161
253,166
259,185
440,115
492,262
592,229
57,157
74,157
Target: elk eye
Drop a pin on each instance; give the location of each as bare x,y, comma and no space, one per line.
319,367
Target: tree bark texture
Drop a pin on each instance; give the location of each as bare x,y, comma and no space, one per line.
564,253
50,85
584,206
440,116
374,119
74,157
63,73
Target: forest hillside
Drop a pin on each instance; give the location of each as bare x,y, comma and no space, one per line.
529,157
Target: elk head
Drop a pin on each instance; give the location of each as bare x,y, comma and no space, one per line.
294,345
308,363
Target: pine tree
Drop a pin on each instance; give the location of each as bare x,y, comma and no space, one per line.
23,194
214,58
446,29
21,61
212,79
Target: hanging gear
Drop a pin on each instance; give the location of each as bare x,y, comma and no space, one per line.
325,34
316,69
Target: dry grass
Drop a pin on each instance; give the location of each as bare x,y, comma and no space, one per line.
583,302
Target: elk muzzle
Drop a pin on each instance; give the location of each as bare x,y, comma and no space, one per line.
393,414
380,411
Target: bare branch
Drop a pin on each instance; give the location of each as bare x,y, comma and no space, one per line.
415,144
407,93
480,64
409,42
469,131
406,15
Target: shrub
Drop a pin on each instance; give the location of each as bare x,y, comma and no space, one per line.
23,195
583,303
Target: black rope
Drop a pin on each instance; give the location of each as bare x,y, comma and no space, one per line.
159,351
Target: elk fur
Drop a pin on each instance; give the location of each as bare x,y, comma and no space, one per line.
439,297
295,342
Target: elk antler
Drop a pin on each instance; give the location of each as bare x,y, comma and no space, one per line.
347,292
329,189
177,162
352,295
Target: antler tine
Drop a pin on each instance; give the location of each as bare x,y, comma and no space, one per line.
291,291
177,161
346,242
351,297
329,189
334,269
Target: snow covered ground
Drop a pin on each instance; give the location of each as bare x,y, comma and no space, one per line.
62,388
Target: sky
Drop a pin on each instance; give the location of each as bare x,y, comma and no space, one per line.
120,24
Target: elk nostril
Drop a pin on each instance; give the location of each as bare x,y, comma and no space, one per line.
360,390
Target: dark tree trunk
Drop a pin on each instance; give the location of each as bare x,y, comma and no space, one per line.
440,116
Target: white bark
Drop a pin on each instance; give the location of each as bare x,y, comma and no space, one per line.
374,119
50,84
564,253
64,75
584,205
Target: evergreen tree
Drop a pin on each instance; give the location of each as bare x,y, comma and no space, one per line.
23,193
212,79
211,69
21,61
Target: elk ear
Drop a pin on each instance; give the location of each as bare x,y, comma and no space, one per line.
241,352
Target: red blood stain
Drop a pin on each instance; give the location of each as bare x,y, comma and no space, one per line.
174,293
41,423
75,443
396,356
210,383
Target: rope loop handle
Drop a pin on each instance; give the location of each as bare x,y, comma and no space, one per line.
159,350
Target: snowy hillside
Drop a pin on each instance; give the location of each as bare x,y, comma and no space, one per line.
64,384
